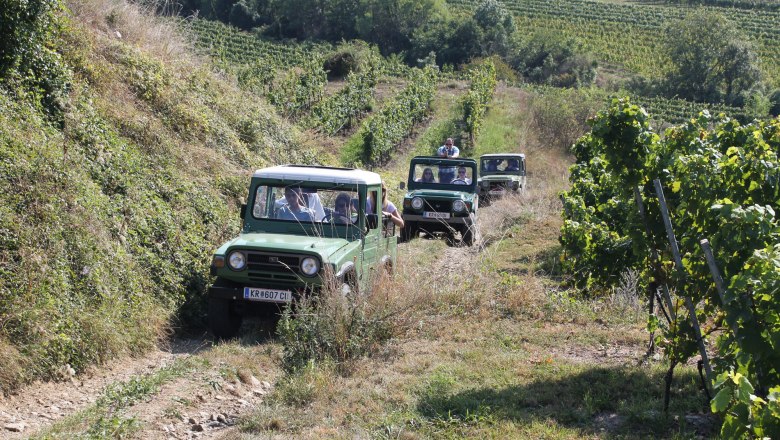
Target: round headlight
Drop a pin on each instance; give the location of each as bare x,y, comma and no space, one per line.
458,205
417,203
237,261
309,266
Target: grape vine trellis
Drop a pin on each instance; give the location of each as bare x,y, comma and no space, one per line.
722,180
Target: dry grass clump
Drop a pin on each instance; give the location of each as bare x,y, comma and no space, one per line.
137,24
339,324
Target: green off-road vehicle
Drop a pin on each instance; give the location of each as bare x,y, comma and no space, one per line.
303,226
500,174
441,198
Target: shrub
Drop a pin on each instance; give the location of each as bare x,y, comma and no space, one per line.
335,327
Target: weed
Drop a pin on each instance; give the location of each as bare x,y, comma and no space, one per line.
337,327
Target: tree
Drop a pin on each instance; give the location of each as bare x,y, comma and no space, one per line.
497,25
547,58
711,60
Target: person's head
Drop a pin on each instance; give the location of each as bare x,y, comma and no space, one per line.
342,204
462,173
513,164
294,197
427,175
449,143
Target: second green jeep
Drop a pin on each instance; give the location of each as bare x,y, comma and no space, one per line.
303,226
441,197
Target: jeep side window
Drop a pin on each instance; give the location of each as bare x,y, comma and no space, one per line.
259,209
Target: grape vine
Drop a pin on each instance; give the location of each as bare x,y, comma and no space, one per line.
382,132
722,183
475,103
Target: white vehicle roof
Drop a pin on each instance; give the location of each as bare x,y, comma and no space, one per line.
319,174
502,155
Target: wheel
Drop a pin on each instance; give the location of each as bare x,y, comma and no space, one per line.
470,235
409,231
350,286
223,322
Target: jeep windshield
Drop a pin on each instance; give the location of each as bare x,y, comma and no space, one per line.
442,174
306,205
501,165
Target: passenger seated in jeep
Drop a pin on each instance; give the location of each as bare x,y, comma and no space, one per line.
295,208
513,165
342,209
461,178
427,176
310,199
491,165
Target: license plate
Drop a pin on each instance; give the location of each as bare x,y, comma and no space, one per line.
428,214
267,295
496,192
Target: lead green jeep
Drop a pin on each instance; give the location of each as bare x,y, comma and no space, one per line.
501,174
441,198
303,226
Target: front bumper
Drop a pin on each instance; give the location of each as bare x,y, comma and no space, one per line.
466,220
231,290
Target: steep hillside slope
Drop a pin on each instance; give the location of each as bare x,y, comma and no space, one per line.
108,214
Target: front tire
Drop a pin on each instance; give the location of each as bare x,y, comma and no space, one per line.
223,321
409,231
470,235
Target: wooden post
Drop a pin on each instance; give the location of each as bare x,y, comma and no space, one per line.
653,253
678,263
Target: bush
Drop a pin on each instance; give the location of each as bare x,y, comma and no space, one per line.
335,327
547,58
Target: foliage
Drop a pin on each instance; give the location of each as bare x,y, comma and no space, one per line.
332,327
299,89
746,413
383,131
547,58
713,66
28,58
354,99
721,181
630,35
479,95
107,225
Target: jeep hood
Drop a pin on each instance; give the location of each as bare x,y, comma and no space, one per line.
438,193
324,246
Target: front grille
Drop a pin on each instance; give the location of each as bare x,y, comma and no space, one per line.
283,265
255,276
497,185
438,205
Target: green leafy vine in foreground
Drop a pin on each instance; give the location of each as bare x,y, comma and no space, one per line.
722,182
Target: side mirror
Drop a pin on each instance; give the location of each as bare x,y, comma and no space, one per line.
401,185
372,220
243,211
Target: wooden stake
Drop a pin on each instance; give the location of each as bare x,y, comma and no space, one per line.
680,268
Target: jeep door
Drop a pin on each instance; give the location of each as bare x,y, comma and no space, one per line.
372,242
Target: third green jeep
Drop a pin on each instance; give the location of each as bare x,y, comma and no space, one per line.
501,174
441,197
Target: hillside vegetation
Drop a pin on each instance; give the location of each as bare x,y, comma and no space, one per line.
113,197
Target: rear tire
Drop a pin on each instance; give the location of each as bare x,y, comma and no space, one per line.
223,321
